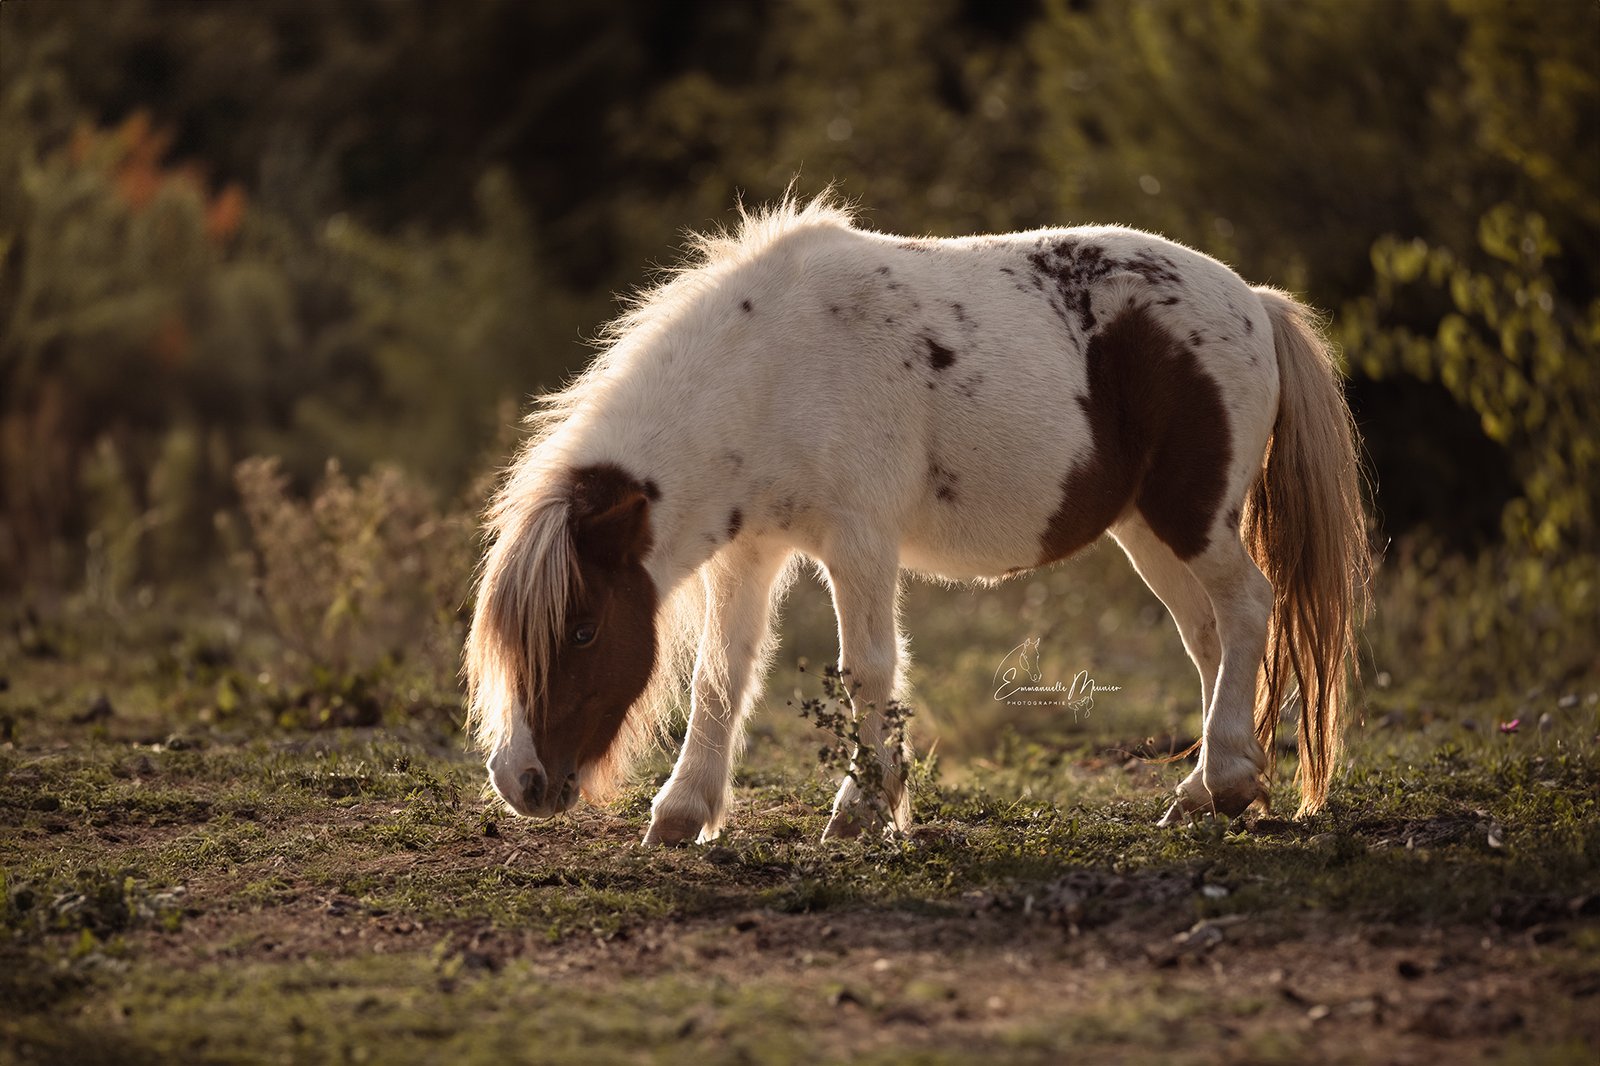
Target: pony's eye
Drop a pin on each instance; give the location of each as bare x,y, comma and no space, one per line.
584,634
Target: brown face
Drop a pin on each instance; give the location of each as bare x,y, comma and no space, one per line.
603,660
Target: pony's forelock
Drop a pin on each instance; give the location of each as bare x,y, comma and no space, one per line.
528,578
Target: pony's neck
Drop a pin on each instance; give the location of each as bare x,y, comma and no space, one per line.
682,432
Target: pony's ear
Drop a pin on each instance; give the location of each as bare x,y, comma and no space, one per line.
610,516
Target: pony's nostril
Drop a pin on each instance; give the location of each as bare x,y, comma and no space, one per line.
534,785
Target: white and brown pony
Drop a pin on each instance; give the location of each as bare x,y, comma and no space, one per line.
969,408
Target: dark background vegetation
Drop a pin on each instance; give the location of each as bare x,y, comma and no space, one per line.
366,231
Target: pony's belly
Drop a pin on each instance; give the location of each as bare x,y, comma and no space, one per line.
954,568
968,546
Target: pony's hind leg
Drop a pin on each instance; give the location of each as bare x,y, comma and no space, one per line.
1185,598
1230,776
865,598
738,583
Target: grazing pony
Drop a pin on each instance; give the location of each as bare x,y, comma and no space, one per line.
970,408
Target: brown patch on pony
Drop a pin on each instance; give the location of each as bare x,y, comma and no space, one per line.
1160,442
735,522
939,356
944,482
592,686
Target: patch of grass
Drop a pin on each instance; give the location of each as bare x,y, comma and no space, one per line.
239,889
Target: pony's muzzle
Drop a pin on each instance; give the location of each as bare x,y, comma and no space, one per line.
520,779
532,784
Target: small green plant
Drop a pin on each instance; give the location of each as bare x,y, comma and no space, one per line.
837,713
95,903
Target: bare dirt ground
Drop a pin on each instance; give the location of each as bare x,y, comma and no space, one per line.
356,900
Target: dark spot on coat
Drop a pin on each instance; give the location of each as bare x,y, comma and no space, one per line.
1008,270
746,305
881,270
833,309
784,512
939,356
1160,437
969,387
1194,338
735,522
943,482
652,491
1167,301
906,363
1249,324
1155,268
959,311
1232,518
1075,266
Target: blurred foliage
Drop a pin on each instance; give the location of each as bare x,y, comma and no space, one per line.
1451,630
153,330
364,583
1269,134
1512,349
359,229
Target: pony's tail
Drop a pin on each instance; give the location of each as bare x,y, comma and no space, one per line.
1304,526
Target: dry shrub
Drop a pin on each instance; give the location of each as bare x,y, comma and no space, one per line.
365,582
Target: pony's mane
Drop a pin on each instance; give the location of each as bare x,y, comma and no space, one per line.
709,255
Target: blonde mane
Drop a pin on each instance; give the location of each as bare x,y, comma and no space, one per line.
527,580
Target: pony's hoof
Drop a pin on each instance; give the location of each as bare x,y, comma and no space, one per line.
1175,815
1196,801
672,832
844,825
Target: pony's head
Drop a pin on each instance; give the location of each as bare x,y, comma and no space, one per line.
563,640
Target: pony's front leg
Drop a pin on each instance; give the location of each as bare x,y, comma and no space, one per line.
874,794
738,584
